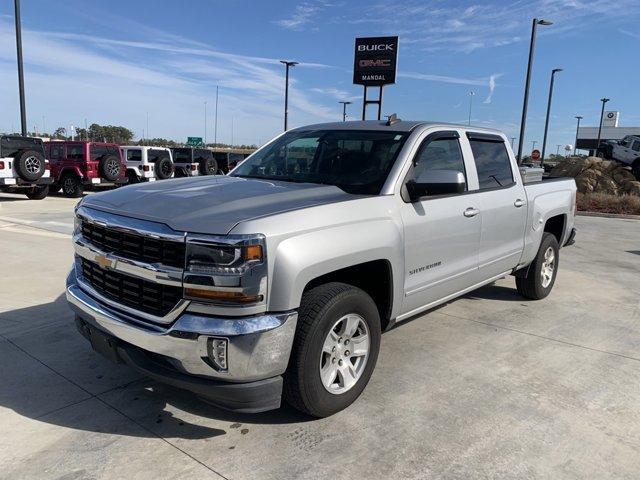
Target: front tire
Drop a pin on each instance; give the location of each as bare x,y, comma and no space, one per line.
334,351
542,272
635,168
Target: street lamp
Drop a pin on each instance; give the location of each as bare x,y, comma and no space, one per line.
205,124
23,109
575,145
532,46
558,150
533,145
287,64
603,100
215,121
471,94
546,122
344,109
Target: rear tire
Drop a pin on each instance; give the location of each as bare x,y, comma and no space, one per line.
164,168
38,192
542,272
132,177
337,336
71,186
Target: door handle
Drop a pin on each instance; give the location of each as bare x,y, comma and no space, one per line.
471,212
519,203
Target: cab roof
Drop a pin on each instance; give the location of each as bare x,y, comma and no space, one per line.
381,125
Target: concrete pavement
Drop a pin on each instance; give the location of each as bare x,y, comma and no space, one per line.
488,386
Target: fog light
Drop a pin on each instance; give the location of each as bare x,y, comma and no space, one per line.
217,352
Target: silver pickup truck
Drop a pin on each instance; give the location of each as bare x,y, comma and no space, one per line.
278,279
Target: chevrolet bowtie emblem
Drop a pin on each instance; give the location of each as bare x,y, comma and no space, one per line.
104,262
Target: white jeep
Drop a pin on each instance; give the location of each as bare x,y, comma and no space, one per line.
147,164
625,151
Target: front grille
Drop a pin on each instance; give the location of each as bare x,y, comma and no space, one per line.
135,247
148,297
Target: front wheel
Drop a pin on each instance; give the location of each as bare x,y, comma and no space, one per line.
635,168
541,276
335,349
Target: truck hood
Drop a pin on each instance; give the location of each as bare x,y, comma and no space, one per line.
211,204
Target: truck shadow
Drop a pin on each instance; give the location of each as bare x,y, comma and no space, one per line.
50,360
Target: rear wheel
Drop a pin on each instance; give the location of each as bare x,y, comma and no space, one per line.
335,349
131,177
542,272
71,186
38,192
164,168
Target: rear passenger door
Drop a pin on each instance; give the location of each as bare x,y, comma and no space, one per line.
502,202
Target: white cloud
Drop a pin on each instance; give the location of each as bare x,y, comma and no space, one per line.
70,77
303,14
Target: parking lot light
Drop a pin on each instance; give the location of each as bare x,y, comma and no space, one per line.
527,83
344,109
604,101
575,145
288,64
546,122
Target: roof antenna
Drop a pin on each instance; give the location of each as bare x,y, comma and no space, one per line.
391,119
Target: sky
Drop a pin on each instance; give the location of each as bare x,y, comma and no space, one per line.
121,62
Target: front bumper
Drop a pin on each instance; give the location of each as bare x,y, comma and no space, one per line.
257,352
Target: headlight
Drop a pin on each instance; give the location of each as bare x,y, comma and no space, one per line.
227,270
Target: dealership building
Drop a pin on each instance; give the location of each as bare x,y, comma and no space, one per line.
587,138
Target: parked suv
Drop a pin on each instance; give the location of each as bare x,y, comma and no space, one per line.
146,164
227,161
76,166
23,166
189,161
625,151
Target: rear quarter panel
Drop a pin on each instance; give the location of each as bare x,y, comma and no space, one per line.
547,199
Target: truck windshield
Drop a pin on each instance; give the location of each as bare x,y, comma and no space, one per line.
356,161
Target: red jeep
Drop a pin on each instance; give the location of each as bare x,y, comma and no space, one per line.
76,166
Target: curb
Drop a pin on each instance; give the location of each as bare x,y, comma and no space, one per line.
608,215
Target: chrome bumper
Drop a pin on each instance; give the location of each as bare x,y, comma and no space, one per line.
258,346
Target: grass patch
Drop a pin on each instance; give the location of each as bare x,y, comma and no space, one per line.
605,203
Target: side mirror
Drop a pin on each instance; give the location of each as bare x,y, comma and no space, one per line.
436,182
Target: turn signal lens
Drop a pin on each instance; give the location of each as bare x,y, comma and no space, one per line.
225,296
146,168
253,252
1,165
217,352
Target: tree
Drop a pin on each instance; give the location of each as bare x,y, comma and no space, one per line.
60,133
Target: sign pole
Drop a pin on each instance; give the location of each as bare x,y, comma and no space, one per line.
364,104
380,102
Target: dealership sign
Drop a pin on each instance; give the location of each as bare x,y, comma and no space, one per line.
376,59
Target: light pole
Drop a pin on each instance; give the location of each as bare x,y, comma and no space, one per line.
546,122
533,145
513,139
603,100
344,109
287,64
205,124
471,94
23,108
532,46
575,145
147,135
215,121
558,150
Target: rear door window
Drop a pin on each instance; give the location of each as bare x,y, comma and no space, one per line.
636,145
75,152
134,155
182,155
492,163
202,155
